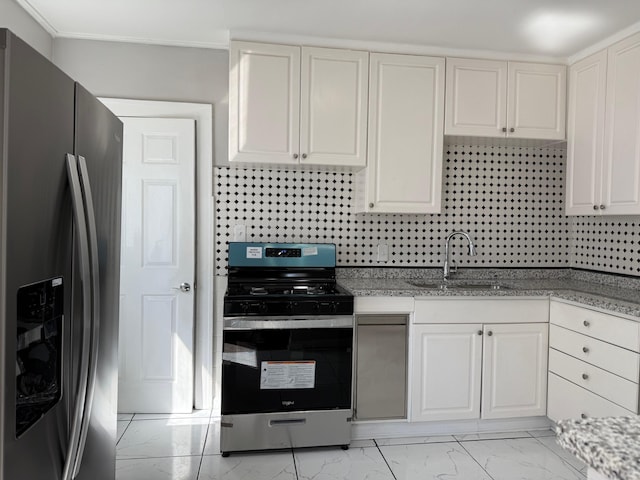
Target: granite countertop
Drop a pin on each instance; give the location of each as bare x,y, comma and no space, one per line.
611,445
616,296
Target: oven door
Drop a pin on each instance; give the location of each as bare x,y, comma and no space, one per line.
286,369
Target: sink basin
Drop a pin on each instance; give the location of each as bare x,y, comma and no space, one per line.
458,286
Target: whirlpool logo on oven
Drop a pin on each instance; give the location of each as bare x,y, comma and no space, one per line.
287,403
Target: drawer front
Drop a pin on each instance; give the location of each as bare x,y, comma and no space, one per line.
609,328
616,389
601,354
482,310
567,400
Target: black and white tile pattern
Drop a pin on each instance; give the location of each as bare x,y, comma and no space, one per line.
510,199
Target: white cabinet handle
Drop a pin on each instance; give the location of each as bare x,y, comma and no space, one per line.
585,376
295,155
585,349
586,323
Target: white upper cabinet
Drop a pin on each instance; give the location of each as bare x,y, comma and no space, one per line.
333,110
476,97
603,154
406,114
621,166
297,105
505,99
264,103
585,139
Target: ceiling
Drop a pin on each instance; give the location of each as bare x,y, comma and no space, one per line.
552,28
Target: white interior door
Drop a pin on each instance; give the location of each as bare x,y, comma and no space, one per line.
157,266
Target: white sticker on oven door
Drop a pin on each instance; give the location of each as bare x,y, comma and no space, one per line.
254,252
293,374
307,251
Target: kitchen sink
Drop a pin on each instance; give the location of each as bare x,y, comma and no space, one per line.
458,286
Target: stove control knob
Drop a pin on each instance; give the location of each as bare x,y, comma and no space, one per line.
245,307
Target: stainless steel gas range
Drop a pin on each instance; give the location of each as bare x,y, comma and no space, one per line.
287,349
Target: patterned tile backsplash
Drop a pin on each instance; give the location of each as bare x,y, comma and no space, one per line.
509,199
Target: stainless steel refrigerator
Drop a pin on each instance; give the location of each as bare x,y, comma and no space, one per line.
60,199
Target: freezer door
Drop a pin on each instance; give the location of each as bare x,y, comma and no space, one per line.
37,100
99,141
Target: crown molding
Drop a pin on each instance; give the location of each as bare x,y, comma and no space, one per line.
607,42
38,17
388,47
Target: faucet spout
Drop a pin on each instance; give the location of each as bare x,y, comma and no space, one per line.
446,270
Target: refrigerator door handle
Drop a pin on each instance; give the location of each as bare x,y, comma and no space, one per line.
95,306
85,280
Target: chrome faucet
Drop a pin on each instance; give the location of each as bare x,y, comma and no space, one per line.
446,272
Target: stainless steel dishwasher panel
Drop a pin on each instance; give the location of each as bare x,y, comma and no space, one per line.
381,367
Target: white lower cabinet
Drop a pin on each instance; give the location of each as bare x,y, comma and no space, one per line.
594,362
514,370
467,371
446,372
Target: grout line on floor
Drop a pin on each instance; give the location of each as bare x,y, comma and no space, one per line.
557,455
474,459
384,458
125,429
295,465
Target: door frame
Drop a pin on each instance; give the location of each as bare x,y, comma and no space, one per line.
202,113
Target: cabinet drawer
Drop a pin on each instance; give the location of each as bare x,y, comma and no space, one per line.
610,328
482,310
604,355
614,388
567,400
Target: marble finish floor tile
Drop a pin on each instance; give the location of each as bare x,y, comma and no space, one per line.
171,468
338,464
433,461
414,440
122,426
125,417
522,459
161,416
551,444
491,436
249,466
163,438
362,443
212,445
542,433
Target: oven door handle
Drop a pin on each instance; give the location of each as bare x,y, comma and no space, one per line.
261,323
287,421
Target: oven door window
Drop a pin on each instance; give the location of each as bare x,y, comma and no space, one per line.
286,370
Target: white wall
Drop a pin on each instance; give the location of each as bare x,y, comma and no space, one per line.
13,17
151,72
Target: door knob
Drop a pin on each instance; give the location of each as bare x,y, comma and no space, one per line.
184,287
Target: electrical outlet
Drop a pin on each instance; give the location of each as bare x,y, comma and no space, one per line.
239,233
383,252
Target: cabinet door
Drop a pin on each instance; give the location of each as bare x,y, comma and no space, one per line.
406,109
264,98
476,97
537,101
333,110
621,172
514,371
585,138
446,372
